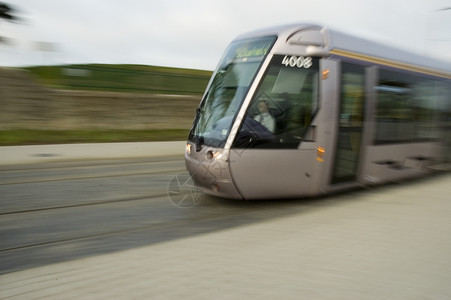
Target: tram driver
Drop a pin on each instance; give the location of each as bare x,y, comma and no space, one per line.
265,117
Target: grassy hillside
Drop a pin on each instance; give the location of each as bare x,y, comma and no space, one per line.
123,78
148,104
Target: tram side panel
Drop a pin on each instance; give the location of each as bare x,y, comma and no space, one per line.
327,130
404,112
387,163
269,173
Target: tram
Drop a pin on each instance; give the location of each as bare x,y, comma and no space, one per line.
303,110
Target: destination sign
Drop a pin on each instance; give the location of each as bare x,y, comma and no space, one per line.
255,48
246,52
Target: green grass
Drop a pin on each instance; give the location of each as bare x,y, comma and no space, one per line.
110,78
40,137
123,78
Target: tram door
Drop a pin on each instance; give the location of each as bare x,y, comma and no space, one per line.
350,123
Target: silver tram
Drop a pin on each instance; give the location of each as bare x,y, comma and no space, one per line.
302,110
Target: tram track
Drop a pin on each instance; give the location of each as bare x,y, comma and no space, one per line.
93,236
183,222
58,212
91,163
50,204
67,178
155,176
47,208
41,174
147,234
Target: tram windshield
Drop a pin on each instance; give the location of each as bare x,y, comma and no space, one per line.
283,106
229,86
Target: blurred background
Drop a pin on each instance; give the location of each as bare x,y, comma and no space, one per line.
89,71
107,71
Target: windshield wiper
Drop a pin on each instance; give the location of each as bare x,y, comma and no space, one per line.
198,140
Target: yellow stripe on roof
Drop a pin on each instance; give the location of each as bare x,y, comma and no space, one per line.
391,63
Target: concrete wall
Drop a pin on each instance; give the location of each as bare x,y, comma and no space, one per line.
27,105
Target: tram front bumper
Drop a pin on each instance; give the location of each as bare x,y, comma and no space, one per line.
209,170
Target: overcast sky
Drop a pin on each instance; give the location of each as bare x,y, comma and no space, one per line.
194,33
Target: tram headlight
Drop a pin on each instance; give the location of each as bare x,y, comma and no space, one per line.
213,154
188,148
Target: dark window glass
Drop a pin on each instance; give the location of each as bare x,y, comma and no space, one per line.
408,108
350,122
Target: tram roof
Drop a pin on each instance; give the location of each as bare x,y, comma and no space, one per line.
329,41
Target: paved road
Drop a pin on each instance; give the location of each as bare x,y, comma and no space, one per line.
13,155
107,229
88,208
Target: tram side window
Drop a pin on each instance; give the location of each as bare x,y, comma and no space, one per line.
408,108
283,106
